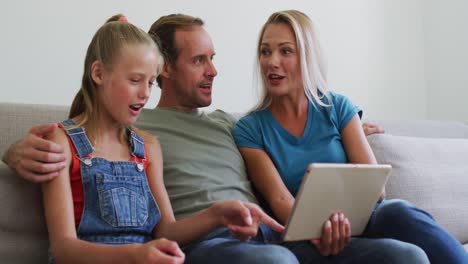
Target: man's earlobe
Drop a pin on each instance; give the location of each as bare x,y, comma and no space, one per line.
97,70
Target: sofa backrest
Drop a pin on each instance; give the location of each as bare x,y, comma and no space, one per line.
16,119
424,128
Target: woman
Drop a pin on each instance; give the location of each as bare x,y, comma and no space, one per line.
298,116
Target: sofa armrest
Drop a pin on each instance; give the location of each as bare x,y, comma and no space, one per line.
23,233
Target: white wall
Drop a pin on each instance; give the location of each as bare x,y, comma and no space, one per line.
374,48
446,54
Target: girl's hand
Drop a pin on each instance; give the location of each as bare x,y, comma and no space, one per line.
160,251
335,235
243,219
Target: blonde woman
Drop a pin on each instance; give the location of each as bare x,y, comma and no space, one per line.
298,120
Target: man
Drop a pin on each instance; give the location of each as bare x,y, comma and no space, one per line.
202,164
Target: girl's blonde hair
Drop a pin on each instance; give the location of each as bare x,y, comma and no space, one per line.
106,47
313,65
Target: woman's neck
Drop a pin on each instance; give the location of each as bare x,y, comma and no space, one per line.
292,106
291,113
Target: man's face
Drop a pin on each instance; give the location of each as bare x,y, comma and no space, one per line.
191,77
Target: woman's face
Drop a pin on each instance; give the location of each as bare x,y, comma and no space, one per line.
279,60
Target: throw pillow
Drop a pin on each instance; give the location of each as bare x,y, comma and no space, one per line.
432,173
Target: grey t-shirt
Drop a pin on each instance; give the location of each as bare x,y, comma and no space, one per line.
202,164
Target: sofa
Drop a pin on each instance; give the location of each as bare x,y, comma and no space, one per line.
429,159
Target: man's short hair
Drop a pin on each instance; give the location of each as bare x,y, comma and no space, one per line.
163,33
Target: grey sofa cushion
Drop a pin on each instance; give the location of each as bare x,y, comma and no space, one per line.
424,128
431,173
16,119
23,231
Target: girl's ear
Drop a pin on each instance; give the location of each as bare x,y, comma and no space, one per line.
97,71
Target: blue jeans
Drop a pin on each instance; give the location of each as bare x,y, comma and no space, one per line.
399,219
397,232
221,247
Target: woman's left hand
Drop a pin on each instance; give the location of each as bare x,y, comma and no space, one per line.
335,235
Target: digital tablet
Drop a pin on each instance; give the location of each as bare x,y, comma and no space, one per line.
326,188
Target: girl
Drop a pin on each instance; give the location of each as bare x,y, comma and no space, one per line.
299,117
110,201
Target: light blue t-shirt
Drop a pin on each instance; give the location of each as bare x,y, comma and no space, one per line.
320,142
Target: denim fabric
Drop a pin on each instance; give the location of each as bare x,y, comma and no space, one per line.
397,232
221,247
119,207
401,220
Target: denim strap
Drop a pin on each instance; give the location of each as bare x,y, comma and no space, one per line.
136,144
78,136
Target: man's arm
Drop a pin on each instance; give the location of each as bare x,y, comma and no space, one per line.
35,158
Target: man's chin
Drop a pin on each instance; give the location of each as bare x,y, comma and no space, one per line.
205,102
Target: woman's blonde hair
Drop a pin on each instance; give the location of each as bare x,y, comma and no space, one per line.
106,47
313,65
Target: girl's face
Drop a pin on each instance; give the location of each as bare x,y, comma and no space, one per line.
279,60
126,87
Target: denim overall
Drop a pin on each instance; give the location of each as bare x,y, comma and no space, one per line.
119,207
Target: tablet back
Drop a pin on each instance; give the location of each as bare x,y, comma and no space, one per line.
326,188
